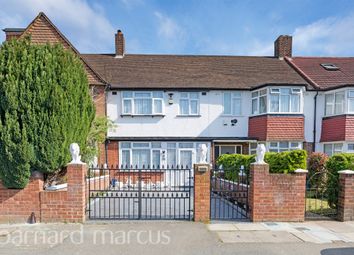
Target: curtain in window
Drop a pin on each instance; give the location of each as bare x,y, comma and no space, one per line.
236,103
171,157
157,106
186,158
339,103
254,106
227,103
274,103
126,158
329,104
262,104
295,103
156,158
351,105
284,103
127,106
141,158
184,106
143,106
194,106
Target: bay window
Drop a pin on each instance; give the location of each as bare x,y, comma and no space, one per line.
351,147
189,103
259,101
284,146
285,100
334,103
351,101
142,102
232,103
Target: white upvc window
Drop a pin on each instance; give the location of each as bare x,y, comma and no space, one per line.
351,101
284,146
189,103
232,103
350,148
259,101
285,100
332,148
334,103
142,102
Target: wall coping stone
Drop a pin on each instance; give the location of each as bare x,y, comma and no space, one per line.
346,172
300,171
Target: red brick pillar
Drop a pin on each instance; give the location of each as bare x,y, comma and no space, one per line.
346,196
76,192
258,177
201,192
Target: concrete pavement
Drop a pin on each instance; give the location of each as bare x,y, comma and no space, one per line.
172,237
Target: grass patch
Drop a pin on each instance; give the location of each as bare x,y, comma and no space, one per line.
319,206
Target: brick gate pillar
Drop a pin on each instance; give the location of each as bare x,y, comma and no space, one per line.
202,192
346,196
76,201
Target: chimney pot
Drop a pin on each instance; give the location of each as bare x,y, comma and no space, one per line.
120,44
283,46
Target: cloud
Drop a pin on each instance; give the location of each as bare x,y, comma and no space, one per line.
333,36
85,26
167,27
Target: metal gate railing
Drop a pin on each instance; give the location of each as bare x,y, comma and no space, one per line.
318,204
229,196
140,193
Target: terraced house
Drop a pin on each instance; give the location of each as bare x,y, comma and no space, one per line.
165,106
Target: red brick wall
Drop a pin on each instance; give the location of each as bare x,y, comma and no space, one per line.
276,197
16,205
112,153
333,128
346,197
349,128
201,193
54,206
276,128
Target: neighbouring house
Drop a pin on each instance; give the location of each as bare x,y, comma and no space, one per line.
42,30
165,106
333,104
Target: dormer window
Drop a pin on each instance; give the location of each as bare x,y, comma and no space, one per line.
330,67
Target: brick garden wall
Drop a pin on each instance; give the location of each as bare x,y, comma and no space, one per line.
276,197
16,205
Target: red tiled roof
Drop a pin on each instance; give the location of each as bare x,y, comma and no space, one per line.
192,72
319,77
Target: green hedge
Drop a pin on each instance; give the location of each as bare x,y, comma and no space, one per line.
283,162
337,162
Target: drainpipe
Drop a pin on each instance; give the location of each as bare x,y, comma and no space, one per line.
314,123
107,88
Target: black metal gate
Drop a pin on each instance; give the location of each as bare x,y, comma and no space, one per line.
229,195
320,197
140,193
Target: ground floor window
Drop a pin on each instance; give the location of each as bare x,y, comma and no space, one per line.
351,147
160,154
284,146
227,149
333,148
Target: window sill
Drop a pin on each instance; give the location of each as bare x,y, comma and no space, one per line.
142,115
187,116
278,113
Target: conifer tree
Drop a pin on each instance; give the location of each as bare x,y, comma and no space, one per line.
45,105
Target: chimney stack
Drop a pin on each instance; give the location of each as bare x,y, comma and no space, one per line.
120,44
283,46
11,33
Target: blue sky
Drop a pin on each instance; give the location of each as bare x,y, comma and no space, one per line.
218,27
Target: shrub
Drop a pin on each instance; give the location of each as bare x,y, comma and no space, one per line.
45,105
337,162
283,162
317,170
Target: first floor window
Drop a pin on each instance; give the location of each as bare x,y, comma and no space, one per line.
259,101
351,101
284,146
232,103
334,103
285,100
142,102
332,148
189,103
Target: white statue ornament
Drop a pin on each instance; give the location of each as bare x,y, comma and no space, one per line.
261,150
203,150
75,154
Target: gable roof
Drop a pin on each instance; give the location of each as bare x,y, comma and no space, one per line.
192,72
42,30
310,68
